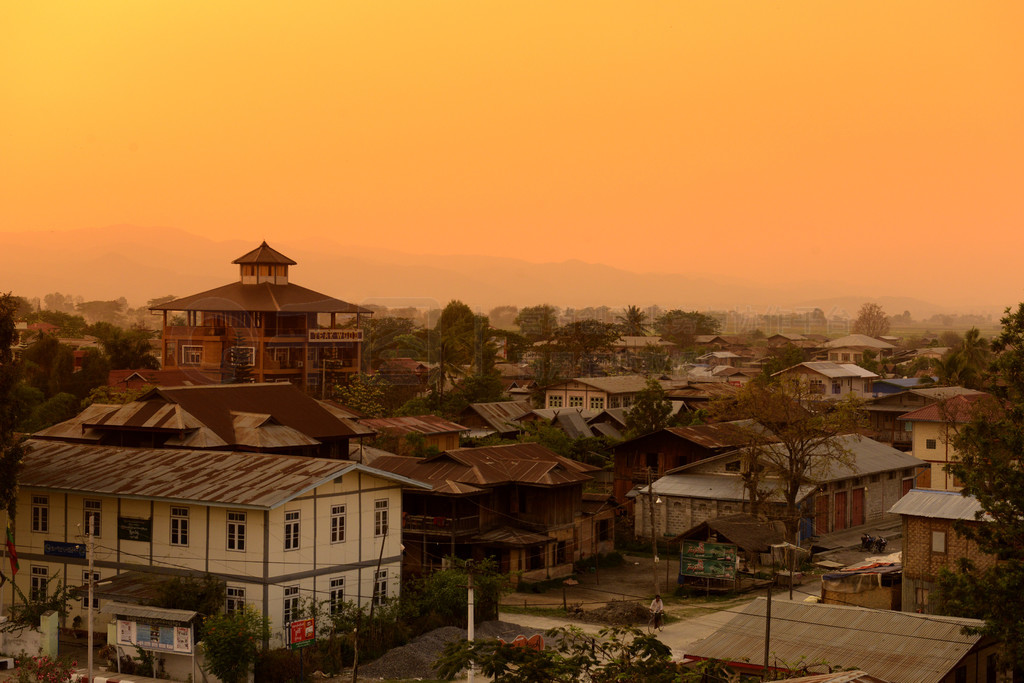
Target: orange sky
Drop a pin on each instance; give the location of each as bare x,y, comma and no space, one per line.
774,139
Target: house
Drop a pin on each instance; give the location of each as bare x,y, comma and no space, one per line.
884,412
137,379
877,585
498,417
597,393
849,494
284,332
519,503
274,528
899,647
653,455
266,418
436,431
932,430
851,348
931,543
716,358
895,385
830,380
404,372
695,394
575,423
752,536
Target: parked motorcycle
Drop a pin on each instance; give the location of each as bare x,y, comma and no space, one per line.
880,544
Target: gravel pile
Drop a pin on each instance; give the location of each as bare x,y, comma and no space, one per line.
416,658
618,613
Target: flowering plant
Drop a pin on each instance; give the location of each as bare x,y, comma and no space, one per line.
44,669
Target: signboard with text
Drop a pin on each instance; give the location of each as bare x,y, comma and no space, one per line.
707,560
161,637
335,335
301,633
135,529
61,549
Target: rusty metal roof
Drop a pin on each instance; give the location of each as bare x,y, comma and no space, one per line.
263,297
264,254
958,408
902,647
422,424
510,536
219,478
719,435
499,414
522,463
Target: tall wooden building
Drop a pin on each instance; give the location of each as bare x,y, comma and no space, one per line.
279,330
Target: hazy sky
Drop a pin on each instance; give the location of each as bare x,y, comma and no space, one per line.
776,139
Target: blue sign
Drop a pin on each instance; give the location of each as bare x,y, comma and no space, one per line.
61,549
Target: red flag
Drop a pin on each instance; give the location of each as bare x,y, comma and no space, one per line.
11,552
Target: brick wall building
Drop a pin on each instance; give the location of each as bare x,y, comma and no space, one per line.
930,543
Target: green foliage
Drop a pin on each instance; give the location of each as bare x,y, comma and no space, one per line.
51,411
581,341
651,411
537,323
616,654
680,327
633,322
232,641
28,609
871,320
12,411
95,373
205,596
363,393
114,395
443,594
991,467
48,365
70,326
126,349
779,358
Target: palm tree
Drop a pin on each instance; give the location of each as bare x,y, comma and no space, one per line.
633,322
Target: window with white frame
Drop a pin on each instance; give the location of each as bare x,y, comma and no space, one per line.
938,541
575,401
337,524
291,604
380,586
41,514
91,517
380,517
554,401
37,588
191,355
235,599
236,531
291,530
85,590
243,355
337,595
179,525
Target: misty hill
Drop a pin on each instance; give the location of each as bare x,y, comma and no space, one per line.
143,263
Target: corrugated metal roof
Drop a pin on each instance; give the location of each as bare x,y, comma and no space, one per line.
499,414
506,535
856,676
745,530
718,435
902,647
852,340
958,408
714,487
219,478
831,370
422,424
263,297
937,505
264,254
141,612
527,463
619,384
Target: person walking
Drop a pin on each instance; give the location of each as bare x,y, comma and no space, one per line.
658,612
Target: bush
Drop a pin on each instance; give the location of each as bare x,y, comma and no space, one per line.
44,668
232,642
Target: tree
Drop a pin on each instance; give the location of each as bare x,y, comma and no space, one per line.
779,358
991,468
503,317
48,365
871,320
617,653
126,349
681,327
633,322
793,441
538,323
582,340
231,642
363,393
11,448
651,411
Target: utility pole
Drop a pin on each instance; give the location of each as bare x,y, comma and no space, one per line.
470,627
88,538
768,620
654,539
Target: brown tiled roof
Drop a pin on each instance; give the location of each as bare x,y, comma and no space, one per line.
956,409
264,254
264,297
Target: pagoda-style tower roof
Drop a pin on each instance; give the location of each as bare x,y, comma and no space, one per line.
264,254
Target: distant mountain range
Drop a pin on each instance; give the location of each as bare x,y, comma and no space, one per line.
143,263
